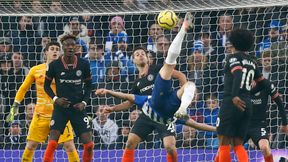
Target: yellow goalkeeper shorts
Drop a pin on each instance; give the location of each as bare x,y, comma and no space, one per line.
40,127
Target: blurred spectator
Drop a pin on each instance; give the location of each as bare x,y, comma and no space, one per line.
116,33
17,5
11,79
207,43
7,84
40,51
274,36
285,32
15,139
6,64
123,57
162,45
196,66
124,132
210,117
29,111
56,6
55,24
154,32
105,129
114,73
225,26
38,22
24,37
266,62
75,28
90,23
97,63
5,45
188,138
37,6
19,68
202,72
133,116
151,58
114,80
130,4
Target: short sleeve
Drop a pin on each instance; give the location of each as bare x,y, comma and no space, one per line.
233,64
140,100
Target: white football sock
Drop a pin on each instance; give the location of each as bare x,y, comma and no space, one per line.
175,48
187,97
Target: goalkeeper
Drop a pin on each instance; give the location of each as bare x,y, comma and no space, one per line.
40,124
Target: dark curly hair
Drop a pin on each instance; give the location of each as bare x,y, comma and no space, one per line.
242,39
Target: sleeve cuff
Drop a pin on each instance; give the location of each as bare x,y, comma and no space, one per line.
55,98
17,102
84,103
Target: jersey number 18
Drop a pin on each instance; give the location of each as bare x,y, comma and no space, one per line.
247,78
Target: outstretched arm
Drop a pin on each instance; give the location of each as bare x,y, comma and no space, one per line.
124,96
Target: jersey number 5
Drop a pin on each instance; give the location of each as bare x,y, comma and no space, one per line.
247,78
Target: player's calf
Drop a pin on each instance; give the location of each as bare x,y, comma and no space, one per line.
264,147
131,144
132,141
170,147
69,146
54,135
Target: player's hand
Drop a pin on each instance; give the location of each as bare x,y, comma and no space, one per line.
63,102
240,104
79,106
101,92
13,112
108,109
284,129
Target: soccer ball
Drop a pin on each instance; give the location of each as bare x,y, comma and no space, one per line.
167,19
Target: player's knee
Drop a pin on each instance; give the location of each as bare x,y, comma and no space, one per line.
130,144
32,145
170,148
237,141
69,146
224,140
54,135
86,137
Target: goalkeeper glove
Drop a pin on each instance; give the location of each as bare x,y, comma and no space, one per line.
13,112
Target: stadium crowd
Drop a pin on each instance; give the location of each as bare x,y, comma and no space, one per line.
108,42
